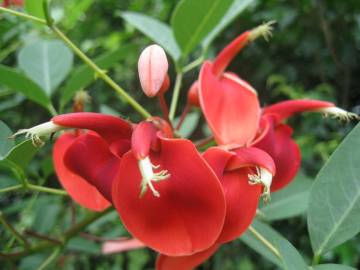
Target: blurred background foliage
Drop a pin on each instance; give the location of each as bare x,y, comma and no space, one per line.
314,53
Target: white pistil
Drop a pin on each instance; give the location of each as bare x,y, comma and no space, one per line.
339,113
263,177
262,30
149,176
36,132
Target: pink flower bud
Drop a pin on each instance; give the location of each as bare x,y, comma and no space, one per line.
193,94
152,67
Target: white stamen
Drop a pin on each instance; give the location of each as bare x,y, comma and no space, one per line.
262,30
263,177
339,113
36,132
148,175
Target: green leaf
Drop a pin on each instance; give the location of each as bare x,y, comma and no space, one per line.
46,62
334,203
192,21
235,9
332,267
11,102
156,30
83,75
189,125
47,210
270,235
289,202
289,258
35,8
5,143
22,154
16,81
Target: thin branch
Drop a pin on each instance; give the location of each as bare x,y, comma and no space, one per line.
50,259
12,188
43,237
47,190
13,231
23,15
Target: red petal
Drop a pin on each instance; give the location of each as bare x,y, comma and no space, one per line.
230,106
251,157
241,197
285,152
285,109
90,158
78,188
229,52
189,214
109,127
218,159
164,262
242,200
143,137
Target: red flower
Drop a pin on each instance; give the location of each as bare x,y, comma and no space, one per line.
234,169
232,111
167,195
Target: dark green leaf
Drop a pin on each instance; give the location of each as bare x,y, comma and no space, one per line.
235,9
46,62
5,143
192,21
156,30
290,201
16,81
47,209
334,202
83,75
22,154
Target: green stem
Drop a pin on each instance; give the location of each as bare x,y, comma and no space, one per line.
175,96
266,243
47,190
98,71
23,15
50,259
101,73
316,259
14,232
193,64
16,187
45,245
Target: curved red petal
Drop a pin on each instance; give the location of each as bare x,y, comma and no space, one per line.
241,197
164,262
278,143
109,127
143,137
217,158
78,188
90,158
189,214
229,52
249,157
285,109
242,200
230,107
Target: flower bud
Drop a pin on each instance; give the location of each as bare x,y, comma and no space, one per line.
193,94
152,68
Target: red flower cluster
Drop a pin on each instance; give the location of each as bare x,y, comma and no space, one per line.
170,197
